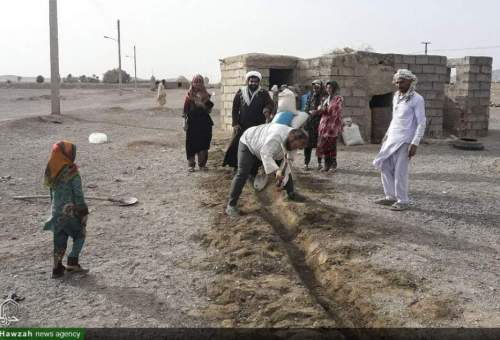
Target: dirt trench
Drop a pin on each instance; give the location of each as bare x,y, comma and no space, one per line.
285,264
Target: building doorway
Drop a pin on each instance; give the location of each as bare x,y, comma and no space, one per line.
280,77
381,109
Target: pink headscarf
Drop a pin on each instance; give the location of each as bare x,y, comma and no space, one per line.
197,91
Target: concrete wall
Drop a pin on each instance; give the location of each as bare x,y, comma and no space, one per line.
467,100
233,71
495,94
362,75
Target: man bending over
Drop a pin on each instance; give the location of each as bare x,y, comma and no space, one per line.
268,143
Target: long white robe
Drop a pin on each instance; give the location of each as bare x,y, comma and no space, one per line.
407,127
161,96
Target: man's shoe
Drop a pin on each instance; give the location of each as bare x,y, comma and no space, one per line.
295,197
385,201
74,267
232,211
400,206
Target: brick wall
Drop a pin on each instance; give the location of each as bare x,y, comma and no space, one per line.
467,99
233,72
363,75
432,73
349,72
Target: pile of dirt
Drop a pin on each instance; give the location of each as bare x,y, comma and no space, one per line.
256,285
307,264
337,246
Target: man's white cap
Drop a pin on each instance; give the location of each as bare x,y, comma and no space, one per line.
253,74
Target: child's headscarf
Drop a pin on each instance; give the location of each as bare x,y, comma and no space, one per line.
62,156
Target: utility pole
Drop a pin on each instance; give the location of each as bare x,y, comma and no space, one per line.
426,43
119,60
135,70
54,59
135,67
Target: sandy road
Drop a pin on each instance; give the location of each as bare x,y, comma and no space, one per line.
22,103
140,257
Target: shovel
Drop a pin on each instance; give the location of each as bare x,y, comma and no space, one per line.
261,180
127,201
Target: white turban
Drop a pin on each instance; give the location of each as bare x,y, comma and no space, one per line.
403,73
253,74
408,75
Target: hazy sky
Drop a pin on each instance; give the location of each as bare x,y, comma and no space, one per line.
175,37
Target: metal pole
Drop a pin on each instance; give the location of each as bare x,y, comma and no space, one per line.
119,60
54,59
135,70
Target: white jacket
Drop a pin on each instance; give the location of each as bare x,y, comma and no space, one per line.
267,143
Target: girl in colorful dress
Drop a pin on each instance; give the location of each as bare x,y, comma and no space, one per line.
69,211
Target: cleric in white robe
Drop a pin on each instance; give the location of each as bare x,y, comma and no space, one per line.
401,140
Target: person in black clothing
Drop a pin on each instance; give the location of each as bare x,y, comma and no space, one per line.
314,100
198,123
252,106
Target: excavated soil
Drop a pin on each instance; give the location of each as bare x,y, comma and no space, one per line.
288,264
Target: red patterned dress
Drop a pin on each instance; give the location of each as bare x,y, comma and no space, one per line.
330,126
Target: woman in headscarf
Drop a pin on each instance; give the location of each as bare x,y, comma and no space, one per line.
330,126
161,96
313,102
69,211
198,123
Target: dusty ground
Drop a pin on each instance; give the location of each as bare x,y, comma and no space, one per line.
139,256
176,260
448,243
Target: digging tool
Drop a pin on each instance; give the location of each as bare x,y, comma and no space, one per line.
261,180
127,201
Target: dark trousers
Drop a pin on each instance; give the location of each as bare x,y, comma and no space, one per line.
307,156
330,162
246,163
202,159
61,242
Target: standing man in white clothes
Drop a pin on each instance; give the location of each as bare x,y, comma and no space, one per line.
401,141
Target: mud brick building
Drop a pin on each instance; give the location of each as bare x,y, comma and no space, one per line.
365,79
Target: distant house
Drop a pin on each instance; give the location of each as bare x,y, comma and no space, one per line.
180,82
